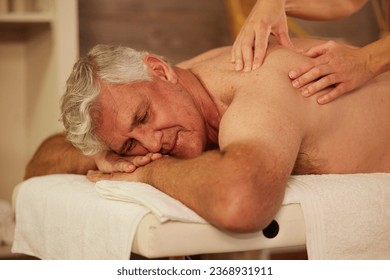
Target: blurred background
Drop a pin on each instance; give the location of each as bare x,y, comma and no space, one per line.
181,29
176,29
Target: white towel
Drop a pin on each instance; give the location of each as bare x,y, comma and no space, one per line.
162,205
62,217
346,216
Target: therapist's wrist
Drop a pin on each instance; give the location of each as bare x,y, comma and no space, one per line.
291,7
377,56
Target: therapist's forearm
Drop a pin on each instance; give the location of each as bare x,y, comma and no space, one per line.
322,9
378,56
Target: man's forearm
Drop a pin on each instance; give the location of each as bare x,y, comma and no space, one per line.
322,10
233,190
57,155
225,188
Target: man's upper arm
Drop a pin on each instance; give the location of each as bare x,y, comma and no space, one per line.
268,118
260,136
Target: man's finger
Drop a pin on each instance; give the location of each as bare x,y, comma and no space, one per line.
94,175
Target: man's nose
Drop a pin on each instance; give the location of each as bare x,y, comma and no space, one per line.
149,138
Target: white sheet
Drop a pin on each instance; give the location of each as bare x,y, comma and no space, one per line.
62,217
346,216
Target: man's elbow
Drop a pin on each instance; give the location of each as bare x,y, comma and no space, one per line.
249,211
242,221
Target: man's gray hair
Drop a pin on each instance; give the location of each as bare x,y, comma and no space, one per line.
110,64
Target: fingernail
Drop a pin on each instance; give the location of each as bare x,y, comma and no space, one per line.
295,84
305,93
255,66
131,168
156,156
90,172
292,74
321,100
238,67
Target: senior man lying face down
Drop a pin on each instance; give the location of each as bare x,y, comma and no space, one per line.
233,138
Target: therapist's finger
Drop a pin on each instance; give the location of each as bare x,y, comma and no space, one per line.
312,75
308,66
335,93
238,60
320,84
247,52
260,48
237,52
284,39
316,51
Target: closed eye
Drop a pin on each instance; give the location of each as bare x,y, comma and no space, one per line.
142,115
144,118
130,145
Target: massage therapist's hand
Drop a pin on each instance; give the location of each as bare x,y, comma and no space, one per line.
333,64
108,162
266,17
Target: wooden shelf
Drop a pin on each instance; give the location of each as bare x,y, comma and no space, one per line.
27,18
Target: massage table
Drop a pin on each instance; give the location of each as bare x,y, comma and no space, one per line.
156,240
153,238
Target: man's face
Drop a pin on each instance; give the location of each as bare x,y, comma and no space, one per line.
145,117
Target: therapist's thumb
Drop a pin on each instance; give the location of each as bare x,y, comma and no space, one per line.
284,40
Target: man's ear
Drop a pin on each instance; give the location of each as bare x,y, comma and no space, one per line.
160,68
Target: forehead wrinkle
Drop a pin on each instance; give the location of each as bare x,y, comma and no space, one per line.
118,92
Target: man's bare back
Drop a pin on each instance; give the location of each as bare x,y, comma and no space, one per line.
351,135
